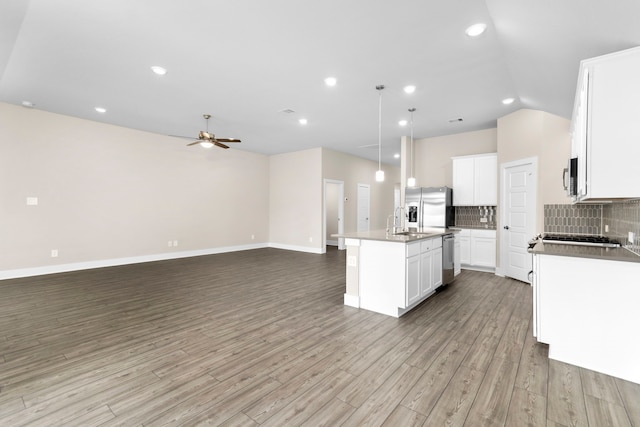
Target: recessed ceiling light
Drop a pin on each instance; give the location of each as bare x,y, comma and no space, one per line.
403,122
161,71
330,81
508,101
409,89
28,104
476,29
396,156
303,121
101,110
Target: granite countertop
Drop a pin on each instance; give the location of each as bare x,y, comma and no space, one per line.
472,227
610,254
383,236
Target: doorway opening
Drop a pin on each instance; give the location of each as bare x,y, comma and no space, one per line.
333,213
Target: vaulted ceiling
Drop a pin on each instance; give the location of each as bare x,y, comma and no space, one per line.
247,61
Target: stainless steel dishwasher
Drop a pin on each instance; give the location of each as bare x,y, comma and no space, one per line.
447,258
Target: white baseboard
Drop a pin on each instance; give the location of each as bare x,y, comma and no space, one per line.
352,301
478,268
297,248
332,242
61,268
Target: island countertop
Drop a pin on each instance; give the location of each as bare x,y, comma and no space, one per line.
611,254
404,237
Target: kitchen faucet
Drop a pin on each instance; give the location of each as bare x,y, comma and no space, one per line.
395,215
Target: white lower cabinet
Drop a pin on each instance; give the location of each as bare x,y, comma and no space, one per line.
424,269
483,248
413,282
436,268
478,249
456,255
465,247
586,309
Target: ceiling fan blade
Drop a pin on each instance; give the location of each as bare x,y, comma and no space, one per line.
194,143
228,140
218,144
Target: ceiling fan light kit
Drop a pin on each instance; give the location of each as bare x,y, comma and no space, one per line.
207,139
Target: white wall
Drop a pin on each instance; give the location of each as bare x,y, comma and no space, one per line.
108,192
532,133
353,171
432,156
295,205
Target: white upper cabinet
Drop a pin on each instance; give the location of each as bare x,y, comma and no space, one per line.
605,126
475,180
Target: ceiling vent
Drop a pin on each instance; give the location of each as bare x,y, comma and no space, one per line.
456,120
287,111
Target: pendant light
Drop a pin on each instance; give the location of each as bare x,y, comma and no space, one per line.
411,181
380,172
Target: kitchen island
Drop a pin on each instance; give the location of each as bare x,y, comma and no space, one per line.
585,306
391,273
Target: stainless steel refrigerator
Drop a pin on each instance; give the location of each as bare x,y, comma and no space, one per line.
429,207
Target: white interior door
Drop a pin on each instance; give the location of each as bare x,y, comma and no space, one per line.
334,212
518,217
364,207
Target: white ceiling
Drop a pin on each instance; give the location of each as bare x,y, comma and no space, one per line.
244,61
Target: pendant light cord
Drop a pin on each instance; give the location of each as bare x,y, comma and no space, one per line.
380,127
411,155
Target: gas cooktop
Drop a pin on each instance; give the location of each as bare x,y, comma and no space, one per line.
580,239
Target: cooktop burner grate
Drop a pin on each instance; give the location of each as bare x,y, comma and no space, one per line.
579,239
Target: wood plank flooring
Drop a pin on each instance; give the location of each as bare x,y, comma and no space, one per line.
262,337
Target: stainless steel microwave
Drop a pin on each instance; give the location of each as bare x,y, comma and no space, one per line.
570,177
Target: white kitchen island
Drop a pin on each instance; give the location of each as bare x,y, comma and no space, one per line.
390,273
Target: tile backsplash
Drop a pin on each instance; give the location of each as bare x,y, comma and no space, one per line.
470,216
573,219
622,218
614,220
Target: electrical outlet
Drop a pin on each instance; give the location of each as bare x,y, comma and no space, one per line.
169,243
606,228
54,253
32,201
352,261
310,239
483,219
175,243
253,237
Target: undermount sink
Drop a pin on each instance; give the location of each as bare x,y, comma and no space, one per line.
410,234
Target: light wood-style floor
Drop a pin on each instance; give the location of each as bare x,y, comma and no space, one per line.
262,338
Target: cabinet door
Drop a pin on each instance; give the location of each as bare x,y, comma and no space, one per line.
483,251
485,181
456,257
465,250
614,131
426,273
579,137
436,267
412,285
463,177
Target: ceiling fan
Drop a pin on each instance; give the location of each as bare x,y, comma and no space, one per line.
208,140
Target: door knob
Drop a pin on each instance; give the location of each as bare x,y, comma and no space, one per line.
506,227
